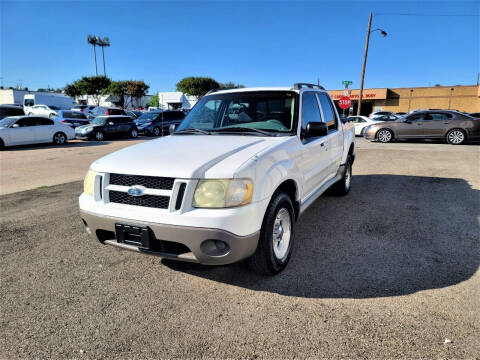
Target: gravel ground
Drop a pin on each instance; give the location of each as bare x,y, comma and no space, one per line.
391,270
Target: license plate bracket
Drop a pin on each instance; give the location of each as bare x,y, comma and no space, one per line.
133,235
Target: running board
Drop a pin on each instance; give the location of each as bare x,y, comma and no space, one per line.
319,192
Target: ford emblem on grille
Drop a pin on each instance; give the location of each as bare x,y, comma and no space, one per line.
136,190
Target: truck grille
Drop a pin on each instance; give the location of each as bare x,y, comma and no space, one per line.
150,182
153,201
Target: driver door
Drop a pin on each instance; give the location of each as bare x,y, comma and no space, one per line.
412,128
22,132
315,157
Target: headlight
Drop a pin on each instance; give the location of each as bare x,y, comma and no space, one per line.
222,193
89,182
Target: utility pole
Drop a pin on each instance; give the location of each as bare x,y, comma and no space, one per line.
364,64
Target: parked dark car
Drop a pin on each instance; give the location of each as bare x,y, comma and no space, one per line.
72,118
10,110
105,111
452,126
155,123
107,126
475,115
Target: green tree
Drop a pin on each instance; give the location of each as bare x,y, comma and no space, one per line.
154,101
136,89
72,90
197,86
117,88
230,85
89,85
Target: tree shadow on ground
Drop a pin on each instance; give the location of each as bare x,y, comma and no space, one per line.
391,235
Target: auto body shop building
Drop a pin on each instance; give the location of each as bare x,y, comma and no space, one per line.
459,97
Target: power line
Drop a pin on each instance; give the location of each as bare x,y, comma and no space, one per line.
405,14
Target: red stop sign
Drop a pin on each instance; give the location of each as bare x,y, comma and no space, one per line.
344,102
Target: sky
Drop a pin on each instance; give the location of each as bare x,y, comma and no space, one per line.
270,43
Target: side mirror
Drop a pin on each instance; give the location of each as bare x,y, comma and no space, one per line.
171,128
15,126
316,129
407,121
110,123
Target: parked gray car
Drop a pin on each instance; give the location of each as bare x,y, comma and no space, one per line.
452,126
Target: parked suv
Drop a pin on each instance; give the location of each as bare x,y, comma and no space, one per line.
452,126
158,123
107,126
104,111
230,182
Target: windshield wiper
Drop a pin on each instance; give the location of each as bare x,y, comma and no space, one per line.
240,129
192,131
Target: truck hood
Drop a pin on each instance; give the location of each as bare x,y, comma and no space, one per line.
186,156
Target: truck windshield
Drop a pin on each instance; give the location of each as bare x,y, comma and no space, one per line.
272,112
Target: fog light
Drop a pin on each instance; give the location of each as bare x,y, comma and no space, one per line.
221,246
215,247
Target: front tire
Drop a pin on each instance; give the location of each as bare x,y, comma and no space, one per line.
342,186
99,136
59,138
133,133
456,137
275,244
156,131
384,135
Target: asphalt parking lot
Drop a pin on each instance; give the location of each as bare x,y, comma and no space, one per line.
391,270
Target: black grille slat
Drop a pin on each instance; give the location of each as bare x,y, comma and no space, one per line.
150,182
153,201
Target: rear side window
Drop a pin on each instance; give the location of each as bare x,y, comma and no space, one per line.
25,122
43,121
310,110
328,114
440,116
28,102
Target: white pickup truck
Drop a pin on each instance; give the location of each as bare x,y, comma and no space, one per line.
229,183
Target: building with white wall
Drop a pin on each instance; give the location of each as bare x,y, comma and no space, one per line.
14,96
175,100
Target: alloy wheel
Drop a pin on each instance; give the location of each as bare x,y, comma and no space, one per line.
384,136
59,139
282,230
456,137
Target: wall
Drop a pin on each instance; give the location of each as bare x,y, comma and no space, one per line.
462,98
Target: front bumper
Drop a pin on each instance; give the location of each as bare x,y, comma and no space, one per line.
370,134
185,243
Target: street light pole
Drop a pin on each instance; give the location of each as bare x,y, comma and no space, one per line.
364,64
95,54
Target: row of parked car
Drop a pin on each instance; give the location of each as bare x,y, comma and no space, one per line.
452,126
84,123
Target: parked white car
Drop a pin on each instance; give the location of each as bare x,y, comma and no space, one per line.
361,122
21,130
230,182
379,113
43,110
